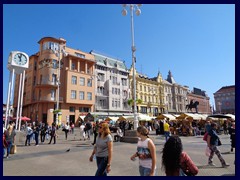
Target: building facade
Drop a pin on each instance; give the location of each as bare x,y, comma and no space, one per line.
150,93
112,85
74,78
199,95
175,95
225,100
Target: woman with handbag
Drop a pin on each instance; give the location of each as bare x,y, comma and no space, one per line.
175,162
10,138
213,141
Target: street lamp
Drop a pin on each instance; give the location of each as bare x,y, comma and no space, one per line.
124,13
58,54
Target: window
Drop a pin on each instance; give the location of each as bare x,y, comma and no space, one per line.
79,55
82,81
74,79
72,109
51,45
100,77
73,94
52,93
89,96
81,95
54,64
84,109
114,80
89,82
73,66
54,78
124,82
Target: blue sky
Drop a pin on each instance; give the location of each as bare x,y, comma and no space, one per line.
195,42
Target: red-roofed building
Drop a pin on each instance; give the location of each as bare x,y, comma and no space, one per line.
225,100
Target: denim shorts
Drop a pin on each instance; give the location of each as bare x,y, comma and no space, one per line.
144,171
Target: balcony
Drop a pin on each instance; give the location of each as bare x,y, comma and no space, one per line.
46,83
50,99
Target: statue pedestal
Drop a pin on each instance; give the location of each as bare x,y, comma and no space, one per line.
130,136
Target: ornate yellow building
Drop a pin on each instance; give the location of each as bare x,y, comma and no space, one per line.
150,91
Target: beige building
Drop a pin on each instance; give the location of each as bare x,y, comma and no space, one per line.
150,92
76,88
175,95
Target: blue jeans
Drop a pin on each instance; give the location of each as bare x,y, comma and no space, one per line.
167,135
9,147
144,171
101,165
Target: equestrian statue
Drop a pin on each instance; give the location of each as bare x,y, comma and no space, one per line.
192,105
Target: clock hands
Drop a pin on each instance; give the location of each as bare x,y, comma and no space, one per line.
20,57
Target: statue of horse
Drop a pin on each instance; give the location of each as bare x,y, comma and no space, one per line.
192,105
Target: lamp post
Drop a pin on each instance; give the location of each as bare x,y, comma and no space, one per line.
58,54
124,13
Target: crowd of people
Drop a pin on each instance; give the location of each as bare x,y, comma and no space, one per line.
175,162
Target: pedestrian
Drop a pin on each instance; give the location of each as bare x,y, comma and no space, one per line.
95,132
119,134
82,132
88,128
72,128
29,133
36,133
103,150
10,136
175,161
146,153
43,133
166,130
53,134
212,142
232,136
66,130
5,144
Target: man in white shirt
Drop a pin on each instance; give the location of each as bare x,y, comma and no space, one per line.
118,136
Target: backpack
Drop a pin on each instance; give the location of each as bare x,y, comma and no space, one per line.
89,126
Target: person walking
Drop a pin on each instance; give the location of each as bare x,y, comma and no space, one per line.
36,134
29,133
43,133
82,132
95,132
146,153
103,150
53,134
166,130
10,135
88,128
212,142
66,130
175,162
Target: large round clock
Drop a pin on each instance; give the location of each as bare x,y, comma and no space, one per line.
20,59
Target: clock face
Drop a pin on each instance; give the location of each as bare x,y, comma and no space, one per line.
20,59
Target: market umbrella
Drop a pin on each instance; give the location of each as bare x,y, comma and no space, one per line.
219,116
24,118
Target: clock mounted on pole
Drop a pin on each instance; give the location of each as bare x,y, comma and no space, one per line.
18,62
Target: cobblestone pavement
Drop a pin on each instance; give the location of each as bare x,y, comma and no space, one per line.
53,160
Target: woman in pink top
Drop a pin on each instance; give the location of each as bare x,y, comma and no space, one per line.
175,162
